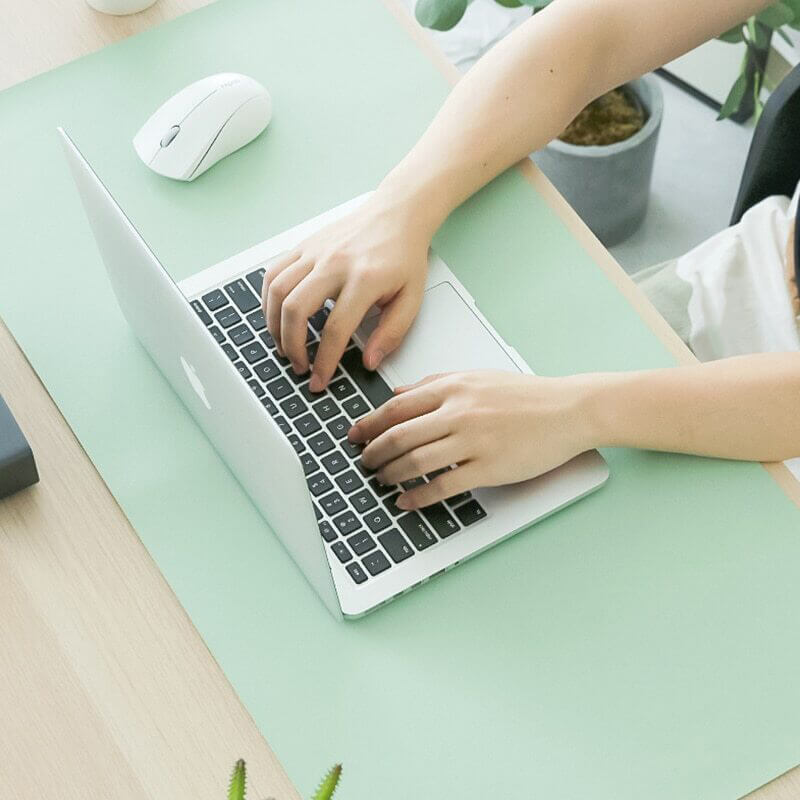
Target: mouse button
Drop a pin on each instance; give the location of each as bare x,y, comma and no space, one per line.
170,135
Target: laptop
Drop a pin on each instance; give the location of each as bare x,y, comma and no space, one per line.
288,447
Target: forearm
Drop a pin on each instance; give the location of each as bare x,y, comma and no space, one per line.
740,408
526,90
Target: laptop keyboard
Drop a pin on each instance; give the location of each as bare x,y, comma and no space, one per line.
357,516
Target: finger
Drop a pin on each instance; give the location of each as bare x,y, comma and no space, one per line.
279,290
428,379
393,412
421,461
403,438
350,307
306,298
396,319
273,268
454,481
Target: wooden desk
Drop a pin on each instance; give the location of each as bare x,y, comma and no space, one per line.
107,689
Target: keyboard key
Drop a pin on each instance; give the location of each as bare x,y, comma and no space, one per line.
374,387
420,534
325,408
310,336
280,388
389,502
376,562
356,573
395,545
317,321
256,319
283,425
296,442
244,370
341,552
458,498
351,448
355,407
317,512
308,463
320,443
227,317
436,473
240,293
311,350
341,388
267,370
470,512
319,484
217,334
377,520
363,501
205,317
240,335
334,463
327,530
333,504
257,388
379,488
361,543
307,425
253,352
362,469
256,279
272,409
230,352
347,523
266,337
215,299
413,483
297,377
338,427
349,481
310,396
440,520
293,406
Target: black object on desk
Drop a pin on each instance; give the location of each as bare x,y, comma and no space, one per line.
17,467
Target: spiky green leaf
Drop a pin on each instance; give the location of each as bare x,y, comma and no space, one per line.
329,784
441,15
537,5
509,3
777,15
237,787
735,97
733,36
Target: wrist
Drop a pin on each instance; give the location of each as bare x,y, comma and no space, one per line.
601,410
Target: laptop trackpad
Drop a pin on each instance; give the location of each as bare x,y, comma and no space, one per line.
446,336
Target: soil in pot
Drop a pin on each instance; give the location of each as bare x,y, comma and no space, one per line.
613,117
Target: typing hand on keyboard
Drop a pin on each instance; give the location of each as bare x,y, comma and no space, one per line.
377,255
498,427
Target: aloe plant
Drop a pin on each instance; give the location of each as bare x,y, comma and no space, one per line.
744,98
237,788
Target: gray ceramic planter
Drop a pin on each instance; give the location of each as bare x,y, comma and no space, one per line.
609,186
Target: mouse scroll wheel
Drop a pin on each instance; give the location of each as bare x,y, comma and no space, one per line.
170,135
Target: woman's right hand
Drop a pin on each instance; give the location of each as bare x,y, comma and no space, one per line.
376,255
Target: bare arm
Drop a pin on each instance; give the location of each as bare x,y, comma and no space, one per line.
502,428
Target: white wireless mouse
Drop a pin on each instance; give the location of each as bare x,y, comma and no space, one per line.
203,123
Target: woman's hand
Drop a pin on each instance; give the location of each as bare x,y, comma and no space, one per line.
497,427
376,255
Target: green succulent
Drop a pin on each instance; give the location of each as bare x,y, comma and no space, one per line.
744,98
237,788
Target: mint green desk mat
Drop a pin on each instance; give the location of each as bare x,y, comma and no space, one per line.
641,644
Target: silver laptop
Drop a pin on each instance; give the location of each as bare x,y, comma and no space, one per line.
288,447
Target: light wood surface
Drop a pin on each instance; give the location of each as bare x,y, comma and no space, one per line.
107,690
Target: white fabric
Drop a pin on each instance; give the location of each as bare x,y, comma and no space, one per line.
740,300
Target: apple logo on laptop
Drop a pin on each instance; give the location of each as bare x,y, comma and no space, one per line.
195,381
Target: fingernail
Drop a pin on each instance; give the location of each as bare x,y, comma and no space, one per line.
315,384
402,502
375,359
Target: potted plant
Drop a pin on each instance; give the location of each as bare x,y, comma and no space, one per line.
237,788
603,162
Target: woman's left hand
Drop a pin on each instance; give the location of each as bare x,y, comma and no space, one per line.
497,427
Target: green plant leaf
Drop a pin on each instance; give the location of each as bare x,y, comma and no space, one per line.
735,97
329,783
733,36
776,16
441,15
237,786
795,6
536,5
509,3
